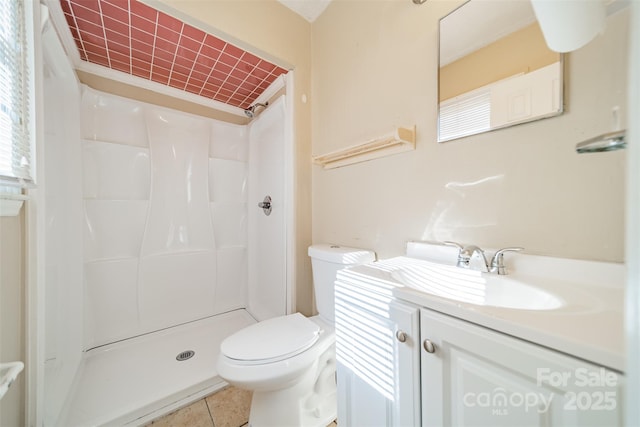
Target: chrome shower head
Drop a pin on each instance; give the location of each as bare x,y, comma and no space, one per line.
251,111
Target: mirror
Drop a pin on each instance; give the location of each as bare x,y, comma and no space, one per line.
495,69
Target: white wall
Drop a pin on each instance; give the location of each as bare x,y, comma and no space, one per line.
12,297
268,234
267,27
632,309
165,217
375,68
146,220
60,181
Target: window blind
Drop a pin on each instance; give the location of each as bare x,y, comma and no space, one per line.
466,114
15,143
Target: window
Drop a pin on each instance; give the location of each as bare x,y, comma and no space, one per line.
466,114
15,141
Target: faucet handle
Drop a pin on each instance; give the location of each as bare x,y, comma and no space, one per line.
497,262
450,243
463,258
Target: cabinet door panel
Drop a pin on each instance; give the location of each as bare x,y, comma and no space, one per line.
377,372
478,377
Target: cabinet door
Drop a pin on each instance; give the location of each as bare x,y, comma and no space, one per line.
479,377
378,361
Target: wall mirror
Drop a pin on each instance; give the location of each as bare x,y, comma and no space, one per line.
495,69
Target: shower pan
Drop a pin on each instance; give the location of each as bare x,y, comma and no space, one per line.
153,248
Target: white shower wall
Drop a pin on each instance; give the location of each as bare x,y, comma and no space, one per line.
268,174
140,223
59,216
165,206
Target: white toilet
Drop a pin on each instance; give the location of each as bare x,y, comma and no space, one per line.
289,361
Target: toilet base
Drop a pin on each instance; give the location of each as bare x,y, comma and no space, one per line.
310,402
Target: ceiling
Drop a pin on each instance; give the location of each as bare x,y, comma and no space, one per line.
308,9
133,38
461,32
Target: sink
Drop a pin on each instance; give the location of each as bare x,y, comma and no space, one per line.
474,287
511,293
557,303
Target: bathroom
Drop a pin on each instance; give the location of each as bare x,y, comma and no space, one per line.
520,186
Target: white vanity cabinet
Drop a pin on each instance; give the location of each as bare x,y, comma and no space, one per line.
474,376
480,349
378,358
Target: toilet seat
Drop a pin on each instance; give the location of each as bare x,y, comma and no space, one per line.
271,340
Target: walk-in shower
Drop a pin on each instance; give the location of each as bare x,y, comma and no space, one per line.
154,249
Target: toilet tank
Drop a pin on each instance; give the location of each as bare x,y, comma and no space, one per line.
326,261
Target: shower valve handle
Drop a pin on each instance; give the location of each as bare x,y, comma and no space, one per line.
266,205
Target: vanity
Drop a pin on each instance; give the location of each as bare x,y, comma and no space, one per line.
422,341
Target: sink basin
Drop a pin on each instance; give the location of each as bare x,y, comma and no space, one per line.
474,287
511,293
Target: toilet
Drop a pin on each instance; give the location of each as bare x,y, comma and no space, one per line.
289,361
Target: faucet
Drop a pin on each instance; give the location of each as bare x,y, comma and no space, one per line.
496,265
497,262
466,254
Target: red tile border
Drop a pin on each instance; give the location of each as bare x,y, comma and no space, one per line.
132,37
118,38
141,36
169,22
115,25
115,13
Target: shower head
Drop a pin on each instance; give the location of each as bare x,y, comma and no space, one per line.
251,111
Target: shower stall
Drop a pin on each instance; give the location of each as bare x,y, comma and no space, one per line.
151,247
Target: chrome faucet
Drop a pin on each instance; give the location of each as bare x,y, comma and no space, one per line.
496,265
497,262
466,254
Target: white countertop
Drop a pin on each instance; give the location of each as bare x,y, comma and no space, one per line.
588,324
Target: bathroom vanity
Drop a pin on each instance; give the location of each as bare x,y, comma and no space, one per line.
421,341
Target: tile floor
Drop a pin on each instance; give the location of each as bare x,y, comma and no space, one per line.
228,407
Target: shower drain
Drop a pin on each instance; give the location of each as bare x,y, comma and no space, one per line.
185,355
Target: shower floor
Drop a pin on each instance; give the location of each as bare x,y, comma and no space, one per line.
136,380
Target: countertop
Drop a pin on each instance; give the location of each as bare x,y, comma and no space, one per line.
588,325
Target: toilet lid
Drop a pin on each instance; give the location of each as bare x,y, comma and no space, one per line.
272,340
